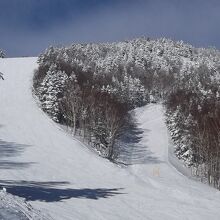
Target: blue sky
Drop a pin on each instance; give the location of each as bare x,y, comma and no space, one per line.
27,27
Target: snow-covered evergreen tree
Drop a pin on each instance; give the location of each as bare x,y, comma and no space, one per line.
50,91
2,54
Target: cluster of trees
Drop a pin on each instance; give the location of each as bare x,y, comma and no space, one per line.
94,106
193,117
91,88
98,116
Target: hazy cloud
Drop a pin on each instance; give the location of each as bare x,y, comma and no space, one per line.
28,26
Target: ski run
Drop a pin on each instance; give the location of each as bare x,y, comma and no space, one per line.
50,175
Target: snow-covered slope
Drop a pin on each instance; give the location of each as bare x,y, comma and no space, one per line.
61,177
15,208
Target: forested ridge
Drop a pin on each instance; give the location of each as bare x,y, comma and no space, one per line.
92,87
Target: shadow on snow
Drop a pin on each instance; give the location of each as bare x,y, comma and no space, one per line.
48,191
131,150
8,152
42,191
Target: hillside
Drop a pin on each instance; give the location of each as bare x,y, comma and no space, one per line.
61,177
91,88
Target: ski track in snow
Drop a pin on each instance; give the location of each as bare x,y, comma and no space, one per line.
61,177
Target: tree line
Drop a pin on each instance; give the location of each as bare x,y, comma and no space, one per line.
94,107
193,117
92,87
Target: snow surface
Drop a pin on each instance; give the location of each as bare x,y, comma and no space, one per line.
15,208
63,178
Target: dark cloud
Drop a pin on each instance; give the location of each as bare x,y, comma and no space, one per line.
28,26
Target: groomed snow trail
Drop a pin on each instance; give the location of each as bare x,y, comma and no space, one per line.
61,177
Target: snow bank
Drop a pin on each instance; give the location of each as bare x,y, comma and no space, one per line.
15,208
